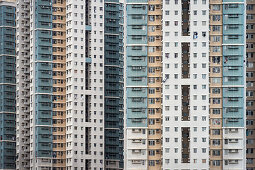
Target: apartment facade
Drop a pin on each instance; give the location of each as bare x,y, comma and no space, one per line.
70,84
143,84
7,84
186,85
227,103
250,146
203,92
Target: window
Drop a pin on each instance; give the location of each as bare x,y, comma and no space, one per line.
216,7
216,90
216,162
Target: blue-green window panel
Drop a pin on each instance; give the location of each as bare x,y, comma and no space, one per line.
43,17
42,98
136,30
6,65
112,102
44,3
44,74
111,53
43,138
137,39
43,57
44,153
7,15
7,44
7,155
7,33
233,19
7,74
112,152
7,131
233,29
232,71
7,95
43,121
111,30
233,60
137,61
44,50
137,81
112,140
233,8
111,23
233,101
233,122
238,115
137,91
6,79
131,20
43,89
43,34
136,122
44,114
110,47
111,124
233,0
112,71
43,66
137,9
44,146
112,6
4,103
8,60
44,106
113,116
140,115
44,11
43,130
137,1
112,39
111,14
9,152
111,93
233,39
136,71
7,88
136,102
112,108
231,80
112,61
44,41
43,82
233,50
112,44
8,117
233,91
137,51
112,86
43,25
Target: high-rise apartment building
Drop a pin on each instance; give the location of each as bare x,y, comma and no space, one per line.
227,85
250,71
143,84
203,92
185,84
7,85
184,94
70,84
